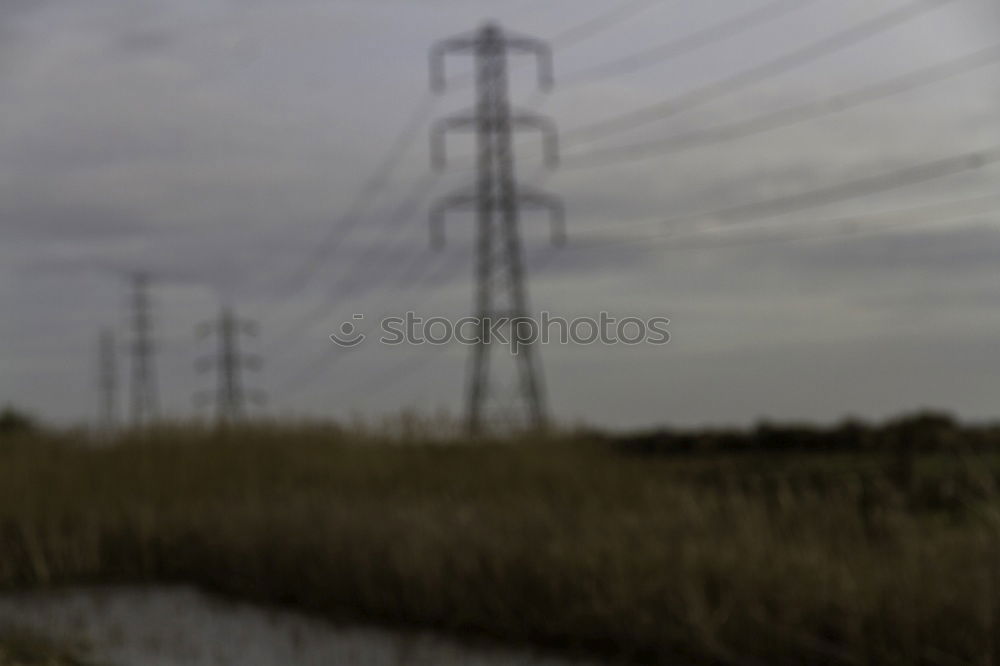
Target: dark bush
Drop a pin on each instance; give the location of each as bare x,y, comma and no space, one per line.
901,438
15,422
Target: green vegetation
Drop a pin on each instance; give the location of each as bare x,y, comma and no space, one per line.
622,547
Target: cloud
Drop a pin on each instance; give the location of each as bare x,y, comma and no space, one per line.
217,143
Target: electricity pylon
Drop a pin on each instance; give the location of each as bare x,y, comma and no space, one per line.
501,291
229,363
145,401
107,381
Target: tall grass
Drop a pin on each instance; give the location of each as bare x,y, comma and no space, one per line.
25,649
576,544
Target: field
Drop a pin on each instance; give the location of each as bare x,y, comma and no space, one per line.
865,546
22,649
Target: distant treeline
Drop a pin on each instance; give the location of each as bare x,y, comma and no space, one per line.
15,422
921,432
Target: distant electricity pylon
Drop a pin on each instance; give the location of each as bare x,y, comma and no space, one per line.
229,363
145,401
107,380
501,293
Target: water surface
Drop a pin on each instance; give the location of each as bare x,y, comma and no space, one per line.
183,627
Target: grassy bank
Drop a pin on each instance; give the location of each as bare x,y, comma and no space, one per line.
577,544
21,649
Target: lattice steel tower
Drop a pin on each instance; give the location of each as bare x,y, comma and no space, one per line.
107,381
145,401
229,362
501,292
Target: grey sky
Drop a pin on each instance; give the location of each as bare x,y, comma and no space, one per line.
215,143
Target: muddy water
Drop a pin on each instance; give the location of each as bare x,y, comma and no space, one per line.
182,627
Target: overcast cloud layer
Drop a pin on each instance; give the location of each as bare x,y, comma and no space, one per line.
216,144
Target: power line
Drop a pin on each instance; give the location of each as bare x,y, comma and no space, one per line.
418,273
411,275
415,274
408,279
414,270
715,33
399,147
402,215
849,229
852,189
784,117
312,372
726,29
336,354
319,368
369,192
435,274
946,213
932,213
601,23
415,198
309,374
392,375
372,188
759,73
332,357
578,33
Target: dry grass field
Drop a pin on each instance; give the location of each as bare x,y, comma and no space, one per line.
22,649
626,549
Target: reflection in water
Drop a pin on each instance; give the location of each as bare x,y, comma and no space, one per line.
182,627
